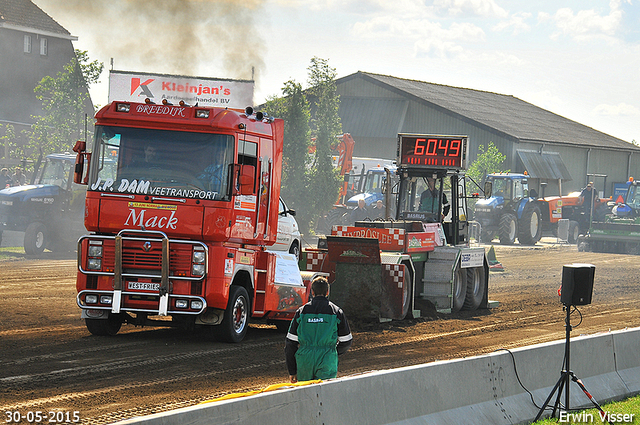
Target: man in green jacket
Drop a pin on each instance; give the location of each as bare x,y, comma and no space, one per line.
318,333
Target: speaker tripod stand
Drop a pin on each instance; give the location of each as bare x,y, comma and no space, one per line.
566,376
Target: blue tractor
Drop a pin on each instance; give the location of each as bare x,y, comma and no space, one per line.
50,211
509,211
372,186
369,186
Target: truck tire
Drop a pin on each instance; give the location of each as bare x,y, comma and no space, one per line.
105,327
459,288
574,232
236,316
295,249
530,225
508,229
36,238
475,288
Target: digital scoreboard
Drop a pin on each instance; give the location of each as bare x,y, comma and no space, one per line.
428,151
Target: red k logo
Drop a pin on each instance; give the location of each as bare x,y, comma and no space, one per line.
135,84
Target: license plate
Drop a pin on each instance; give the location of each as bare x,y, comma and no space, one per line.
143,286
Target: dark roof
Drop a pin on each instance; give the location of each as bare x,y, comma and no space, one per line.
506,114
23,13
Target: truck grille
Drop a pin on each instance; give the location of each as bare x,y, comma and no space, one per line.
143,257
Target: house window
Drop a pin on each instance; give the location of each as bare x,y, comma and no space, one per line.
43,47
27,44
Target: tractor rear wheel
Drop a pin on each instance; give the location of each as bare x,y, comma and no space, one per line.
459,288
475,288
407,282
508,229
574,231
529,227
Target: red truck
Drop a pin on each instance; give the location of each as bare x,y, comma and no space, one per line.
182,207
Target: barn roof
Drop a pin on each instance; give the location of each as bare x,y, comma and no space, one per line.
25,15
505,114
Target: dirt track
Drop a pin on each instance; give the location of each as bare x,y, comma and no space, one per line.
49,361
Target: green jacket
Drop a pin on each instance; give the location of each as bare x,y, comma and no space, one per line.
318,333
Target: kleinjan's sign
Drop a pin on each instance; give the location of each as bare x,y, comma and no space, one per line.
137,86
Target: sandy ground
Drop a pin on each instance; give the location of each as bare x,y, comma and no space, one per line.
49,361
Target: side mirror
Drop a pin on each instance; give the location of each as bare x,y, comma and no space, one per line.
488,189
82,156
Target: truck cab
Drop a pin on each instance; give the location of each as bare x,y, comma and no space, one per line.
183,208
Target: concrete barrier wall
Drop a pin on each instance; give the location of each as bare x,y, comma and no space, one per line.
628,358
476,390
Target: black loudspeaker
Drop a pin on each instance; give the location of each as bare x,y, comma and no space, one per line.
577,284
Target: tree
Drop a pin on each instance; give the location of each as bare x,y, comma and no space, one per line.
65,100
310,183
325,126
294,109
9,144
486,163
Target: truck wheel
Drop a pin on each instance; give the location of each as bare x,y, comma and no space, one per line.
459,288
36,238
475,288
574,231
508,227
295,249
105,327
236,316
529,227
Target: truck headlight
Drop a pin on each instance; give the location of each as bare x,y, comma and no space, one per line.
94,263
182,303
106,299
91,299
198,257
196,304
197,270
94,251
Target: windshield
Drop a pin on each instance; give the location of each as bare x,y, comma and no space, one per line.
161,163
502,188
374,182
633,198
55,172
420,194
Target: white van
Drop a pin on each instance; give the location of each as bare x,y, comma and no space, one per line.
289,238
